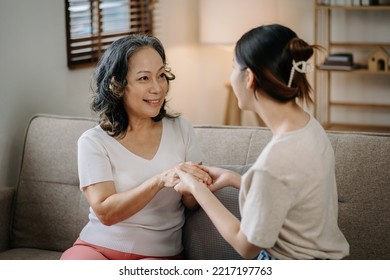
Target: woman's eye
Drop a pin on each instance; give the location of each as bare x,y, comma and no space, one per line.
144,78
162,75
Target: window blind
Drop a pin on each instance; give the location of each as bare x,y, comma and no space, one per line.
92,25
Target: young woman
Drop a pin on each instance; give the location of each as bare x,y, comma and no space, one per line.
288,198
127,162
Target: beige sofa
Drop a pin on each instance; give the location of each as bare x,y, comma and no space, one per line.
45,214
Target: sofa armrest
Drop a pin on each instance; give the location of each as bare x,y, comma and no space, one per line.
6,198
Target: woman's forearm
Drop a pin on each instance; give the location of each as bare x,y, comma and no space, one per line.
112,207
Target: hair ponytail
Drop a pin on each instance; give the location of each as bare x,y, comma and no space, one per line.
300,52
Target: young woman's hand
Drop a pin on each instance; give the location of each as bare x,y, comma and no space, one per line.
222,177
187,183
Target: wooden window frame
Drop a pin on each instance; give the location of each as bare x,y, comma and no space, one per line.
86,50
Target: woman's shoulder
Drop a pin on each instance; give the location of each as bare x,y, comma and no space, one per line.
95,133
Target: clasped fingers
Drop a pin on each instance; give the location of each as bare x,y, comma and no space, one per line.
196,171
170,178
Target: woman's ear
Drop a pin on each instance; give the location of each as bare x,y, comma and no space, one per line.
250,79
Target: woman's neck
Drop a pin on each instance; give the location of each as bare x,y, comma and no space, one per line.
137,124
281,117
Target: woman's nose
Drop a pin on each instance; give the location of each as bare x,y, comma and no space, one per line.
156,86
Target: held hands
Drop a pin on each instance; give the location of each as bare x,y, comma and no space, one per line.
220,178
187,183
170,177
200,174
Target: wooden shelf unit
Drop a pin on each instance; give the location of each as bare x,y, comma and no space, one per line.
323,21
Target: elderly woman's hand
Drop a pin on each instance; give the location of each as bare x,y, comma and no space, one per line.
169,178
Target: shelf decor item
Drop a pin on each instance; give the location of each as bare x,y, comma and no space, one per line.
339,61
339,58
378,61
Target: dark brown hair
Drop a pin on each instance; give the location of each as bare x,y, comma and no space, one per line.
269,51
110,78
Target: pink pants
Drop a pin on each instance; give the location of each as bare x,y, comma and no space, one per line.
85,251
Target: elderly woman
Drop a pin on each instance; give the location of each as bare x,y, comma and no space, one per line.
127,163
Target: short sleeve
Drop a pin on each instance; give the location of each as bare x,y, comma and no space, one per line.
265,203
93,162
193,150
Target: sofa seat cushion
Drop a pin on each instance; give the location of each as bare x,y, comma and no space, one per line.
30,254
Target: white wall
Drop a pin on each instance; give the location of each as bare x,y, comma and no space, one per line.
33,74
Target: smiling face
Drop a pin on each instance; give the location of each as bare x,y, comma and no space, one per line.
147,85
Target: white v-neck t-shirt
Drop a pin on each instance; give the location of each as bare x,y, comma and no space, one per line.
156,229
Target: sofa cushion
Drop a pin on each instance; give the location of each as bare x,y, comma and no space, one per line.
6,197
363,183
231,145
30,254
50,209
200,234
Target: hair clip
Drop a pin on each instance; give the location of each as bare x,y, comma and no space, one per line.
302,67
169,74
